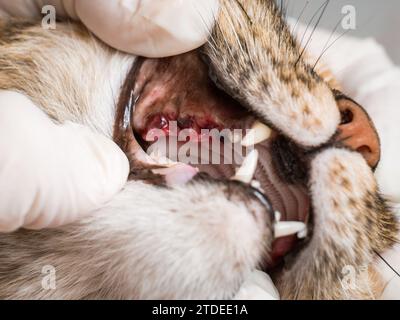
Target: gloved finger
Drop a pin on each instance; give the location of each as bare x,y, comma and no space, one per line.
258,286
150,28
51,174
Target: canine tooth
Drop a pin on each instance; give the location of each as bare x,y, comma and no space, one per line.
235,137
255,184
246,172
164,161
258,133
287,228
178,174
161,159
278,216
303,233
154,155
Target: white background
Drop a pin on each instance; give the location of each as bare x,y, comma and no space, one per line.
379,19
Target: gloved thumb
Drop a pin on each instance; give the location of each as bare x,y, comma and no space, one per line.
257,286
50,174
150,28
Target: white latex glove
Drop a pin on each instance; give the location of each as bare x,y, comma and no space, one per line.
52,174
151,28
258,286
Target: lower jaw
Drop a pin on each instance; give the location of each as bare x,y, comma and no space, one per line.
289,199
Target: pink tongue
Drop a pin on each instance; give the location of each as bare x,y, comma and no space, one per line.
280,248
177,175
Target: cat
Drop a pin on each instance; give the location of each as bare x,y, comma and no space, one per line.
201,240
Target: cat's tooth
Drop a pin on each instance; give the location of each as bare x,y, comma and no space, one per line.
278,216
303,233
161,159
258,133
164,161
154,155
256,184
246,172
287,228
235,137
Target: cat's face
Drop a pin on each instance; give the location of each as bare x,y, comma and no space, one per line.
251,70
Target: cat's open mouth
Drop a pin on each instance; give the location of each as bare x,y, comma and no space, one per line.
173,100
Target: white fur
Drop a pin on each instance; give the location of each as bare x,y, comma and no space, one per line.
147,243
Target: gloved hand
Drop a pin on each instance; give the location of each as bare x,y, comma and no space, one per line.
257,286
150,28
51,175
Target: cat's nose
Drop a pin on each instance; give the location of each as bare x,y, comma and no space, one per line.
357,131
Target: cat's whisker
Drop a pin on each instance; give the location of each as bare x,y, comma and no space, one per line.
210,39
284,9
227,45
397,273
337,39
244,12
327,41
324,6
300,16
308,26
323,52
236,36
